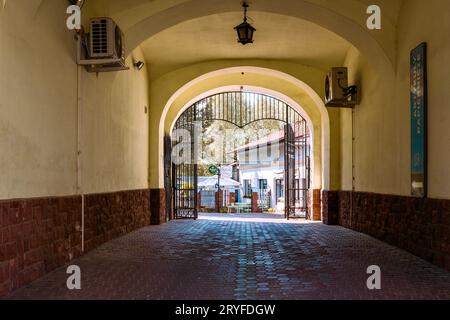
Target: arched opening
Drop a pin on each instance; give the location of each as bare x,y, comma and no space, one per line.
266,169
316,136
276,83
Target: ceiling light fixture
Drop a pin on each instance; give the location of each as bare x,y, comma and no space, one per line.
245,30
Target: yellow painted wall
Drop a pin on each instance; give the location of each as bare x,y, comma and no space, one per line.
115,129
346,123
38,111
382,121
427,21
381,142
38,101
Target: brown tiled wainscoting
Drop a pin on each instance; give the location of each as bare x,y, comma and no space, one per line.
40,235
420,226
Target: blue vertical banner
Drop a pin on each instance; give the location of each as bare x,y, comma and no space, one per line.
419,121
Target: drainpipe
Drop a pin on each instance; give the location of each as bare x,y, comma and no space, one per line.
79,166
353,162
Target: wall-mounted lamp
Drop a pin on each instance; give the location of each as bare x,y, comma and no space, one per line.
139,65
79,3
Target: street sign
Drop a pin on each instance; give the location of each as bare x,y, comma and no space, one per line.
419,130
213,170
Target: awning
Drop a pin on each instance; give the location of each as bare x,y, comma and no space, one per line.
211,182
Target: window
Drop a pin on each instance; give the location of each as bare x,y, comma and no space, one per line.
279,183
297,184
297,189
269,151
263,184
248,188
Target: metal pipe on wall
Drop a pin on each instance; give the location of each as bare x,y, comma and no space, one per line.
79,152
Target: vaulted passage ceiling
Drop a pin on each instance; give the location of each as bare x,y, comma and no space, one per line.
213,38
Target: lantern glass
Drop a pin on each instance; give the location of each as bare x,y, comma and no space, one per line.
250,34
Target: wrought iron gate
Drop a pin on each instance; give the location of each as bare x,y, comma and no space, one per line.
168,176
240,109
185,169
297,165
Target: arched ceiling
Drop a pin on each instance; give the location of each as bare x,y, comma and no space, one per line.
130,12
213,38
143,19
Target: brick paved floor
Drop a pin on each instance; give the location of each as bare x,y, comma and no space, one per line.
216,258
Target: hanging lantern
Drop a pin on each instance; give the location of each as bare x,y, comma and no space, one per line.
245,30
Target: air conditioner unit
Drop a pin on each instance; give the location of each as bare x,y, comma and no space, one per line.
337,91
102,49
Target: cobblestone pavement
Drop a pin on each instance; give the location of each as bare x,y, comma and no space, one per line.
231,257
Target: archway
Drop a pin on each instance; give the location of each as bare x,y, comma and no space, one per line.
320,131
288,150
316,171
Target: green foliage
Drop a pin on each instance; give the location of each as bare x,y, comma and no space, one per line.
221,139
